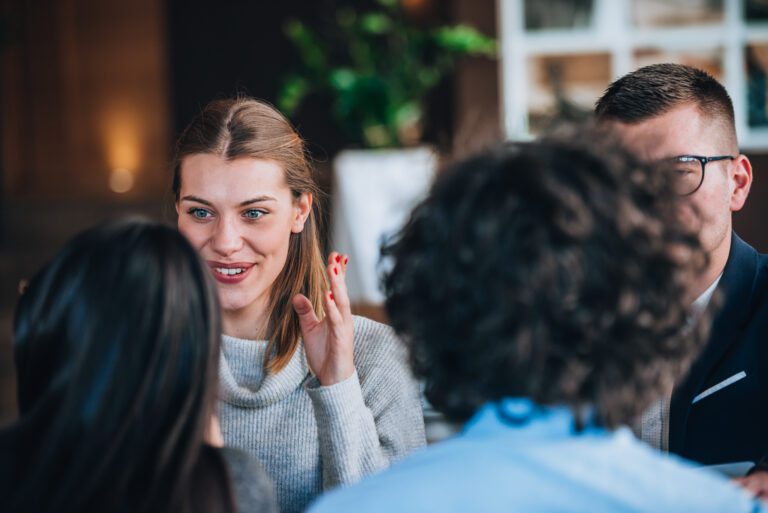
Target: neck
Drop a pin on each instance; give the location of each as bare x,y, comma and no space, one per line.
247,323
718,257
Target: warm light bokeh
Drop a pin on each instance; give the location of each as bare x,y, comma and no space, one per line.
121,132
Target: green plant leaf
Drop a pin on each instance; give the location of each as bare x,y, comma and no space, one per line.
428,77
463,39
377,66
342,79
376,23
408,118
309,48
377,136
293,91
389,3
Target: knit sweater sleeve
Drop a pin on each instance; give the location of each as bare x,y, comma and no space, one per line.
374,416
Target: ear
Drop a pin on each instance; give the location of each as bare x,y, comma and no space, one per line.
302,206
741,181
177,206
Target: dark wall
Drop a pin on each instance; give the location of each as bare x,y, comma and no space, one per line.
752,222
218,49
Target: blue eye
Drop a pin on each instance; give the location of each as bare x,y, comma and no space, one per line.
199,213
253,214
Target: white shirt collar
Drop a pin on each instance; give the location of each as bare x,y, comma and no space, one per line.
703,300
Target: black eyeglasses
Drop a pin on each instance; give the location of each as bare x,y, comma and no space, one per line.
687,171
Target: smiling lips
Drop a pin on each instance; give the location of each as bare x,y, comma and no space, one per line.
229,273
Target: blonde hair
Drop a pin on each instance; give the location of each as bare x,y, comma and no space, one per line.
248,128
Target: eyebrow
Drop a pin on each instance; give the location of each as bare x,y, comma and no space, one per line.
258,199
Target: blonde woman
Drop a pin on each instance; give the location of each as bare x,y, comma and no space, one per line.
320,396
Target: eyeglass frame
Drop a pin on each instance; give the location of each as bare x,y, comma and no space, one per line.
703,161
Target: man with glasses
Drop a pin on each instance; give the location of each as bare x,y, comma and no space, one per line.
683,119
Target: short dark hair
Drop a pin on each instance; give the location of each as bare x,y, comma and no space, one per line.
658,88
116,348
554,270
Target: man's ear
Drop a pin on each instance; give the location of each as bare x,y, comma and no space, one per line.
302,206
741,181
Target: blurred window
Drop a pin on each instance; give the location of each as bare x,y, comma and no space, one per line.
558,56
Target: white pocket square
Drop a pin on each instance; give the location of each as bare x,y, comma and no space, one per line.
726,382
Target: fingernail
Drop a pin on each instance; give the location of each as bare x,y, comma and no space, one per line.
338,258
346,259
330,295
336,270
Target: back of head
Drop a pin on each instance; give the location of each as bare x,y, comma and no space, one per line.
116,347
553,270
656,89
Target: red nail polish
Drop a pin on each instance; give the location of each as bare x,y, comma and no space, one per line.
338,258
346,259
330,295
336,271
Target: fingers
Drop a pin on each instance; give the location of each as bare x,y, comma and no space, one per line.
339,259
332,312
303,307
337,272
756,484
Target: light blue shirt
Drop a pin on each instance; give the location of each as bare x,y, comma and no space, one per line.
539,465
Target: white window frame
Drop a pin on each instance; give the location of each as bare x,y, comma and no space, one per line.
612,32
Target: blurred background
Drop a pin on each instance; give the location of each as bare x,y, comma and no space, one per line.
94,93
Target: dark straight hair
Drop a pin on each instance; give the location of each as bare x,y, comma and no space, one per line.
116,348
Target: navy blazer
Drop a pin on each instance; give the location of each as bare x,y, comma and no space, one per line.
728,421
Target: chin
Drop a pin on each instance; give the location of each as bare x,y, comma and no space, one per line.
235,301
234,306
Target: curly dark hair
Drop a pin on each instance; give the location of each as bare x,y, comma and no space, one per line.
554,270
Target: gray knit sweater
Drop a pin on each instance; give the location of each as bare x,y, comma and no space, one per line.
311,438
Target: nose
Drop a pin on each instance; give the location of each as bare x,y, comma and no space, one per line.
226,239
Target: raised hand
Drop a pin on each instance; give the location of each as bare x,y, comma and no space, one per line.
329,343
755,483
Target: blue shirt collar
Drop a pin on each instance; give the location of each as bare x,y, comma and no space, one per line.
526,420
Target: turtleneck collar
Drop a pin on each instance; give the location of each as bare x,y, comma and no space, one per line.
243,379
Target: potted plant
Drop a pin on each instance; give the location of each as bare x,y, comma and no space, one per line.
377,66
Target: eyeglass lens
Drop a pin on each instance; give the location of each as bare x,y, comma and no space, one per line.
686,174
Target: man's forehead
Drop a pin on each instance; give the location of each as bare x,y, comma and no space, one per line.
649,142
680,131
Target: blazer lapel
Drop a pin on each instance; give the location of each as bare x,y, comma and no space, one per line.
736,286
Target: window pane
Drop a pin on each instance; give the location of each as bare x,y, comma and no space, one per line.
565,87
756,10
757,88
710,60
666,13
557,14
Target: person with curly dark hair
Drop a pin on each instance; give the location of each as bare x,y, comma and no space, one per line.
543,289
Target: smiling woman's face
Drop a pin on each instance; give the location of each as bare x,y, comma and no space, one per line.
240,215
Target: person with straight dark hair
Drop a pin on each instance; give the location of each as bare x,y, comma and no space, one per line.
683,118
543,290
116,344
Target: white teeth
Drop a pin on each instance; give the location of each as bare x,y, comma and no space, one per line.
229,272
